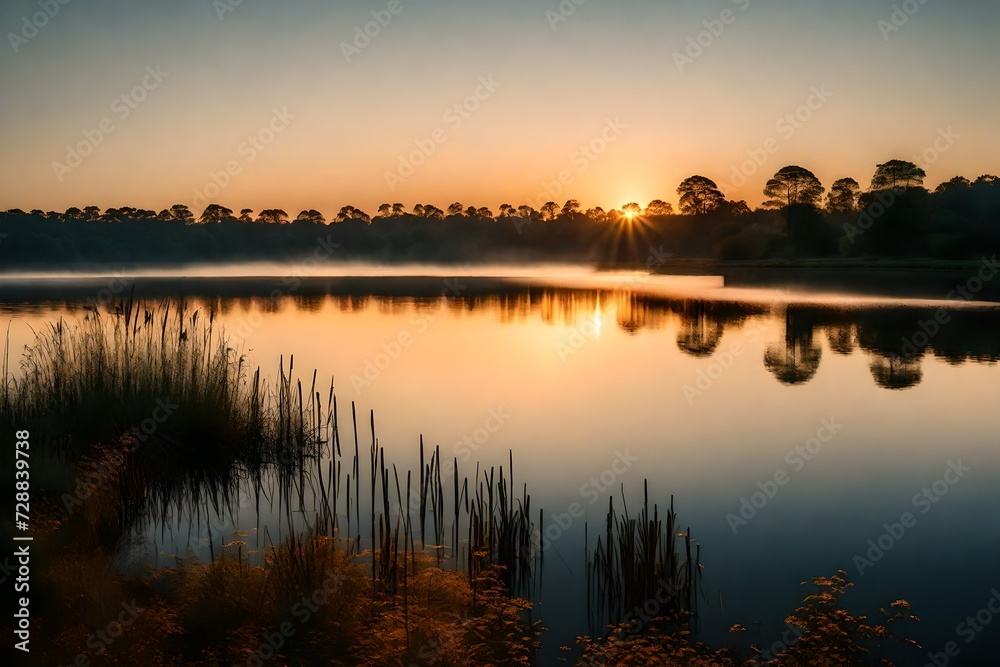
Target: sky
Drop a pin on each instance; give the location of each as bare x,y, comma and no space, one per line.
261,104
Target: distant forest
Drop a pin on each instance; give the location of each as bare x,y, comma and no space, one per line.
896,217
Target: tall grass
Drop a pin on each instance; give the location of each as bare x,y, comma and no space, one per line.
158,389
163,375
640,562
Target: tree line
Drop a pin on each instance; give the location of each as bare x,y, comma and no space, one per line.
896,216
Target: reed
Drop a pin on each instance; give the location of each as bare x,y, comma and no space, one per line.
92,390
641,559
164,375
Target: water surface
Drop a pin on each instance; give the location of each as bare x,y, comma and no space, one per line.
857,403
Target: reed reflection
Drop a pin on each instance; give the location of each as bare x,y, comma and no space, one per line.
895,338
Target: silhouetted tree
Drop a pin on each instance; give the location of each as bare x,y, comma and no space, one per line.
549,210
182,213
273,216
739,208
570,209
246,215
699,195
897,174
956,183
398,209
484,213
597,214
110,214
843,196
507,211
311,215
215,213
385,210
455,209
351,213
792,185
632,208
659,207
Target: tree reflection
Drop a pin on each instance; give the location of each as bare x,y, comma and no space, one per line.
896,372
895,338
795,359
700,331
841,338
632,313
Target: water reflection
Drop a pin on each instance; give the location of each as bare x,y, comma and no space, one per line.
795,358
896,338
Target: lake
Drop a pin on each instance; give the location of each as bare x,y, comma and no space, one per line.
798,432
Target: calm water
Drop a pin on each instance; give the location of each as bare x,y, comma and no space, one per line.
855,404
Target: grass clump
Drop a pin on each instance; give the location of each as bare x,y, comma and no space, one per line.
163,374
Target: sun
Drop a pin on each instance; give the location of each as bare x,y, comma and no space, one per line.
630,213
